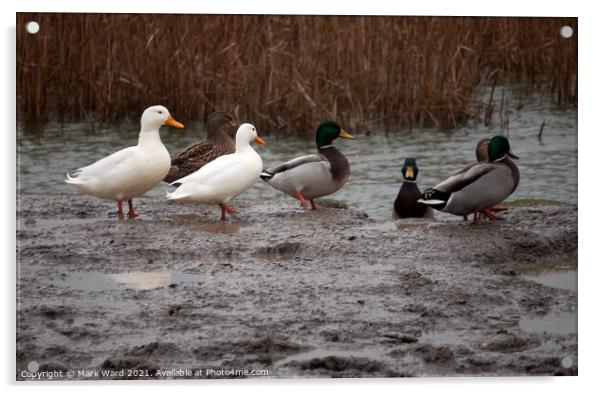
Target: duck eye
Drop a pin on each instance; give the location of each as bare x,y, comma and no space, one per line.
160,112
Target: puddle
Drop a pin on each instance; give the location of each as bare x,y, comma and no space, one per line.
58,222
371,353
557,323
559,279
394,225
196,222
442,337
96,281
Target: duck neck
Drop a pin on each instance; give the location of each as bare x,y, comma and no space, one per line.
339,166
221,138
149,137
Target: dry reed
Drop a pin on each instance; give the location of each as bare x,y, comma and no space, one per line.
285,73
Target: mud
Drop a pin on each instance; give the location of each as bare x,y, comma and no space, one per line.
330,293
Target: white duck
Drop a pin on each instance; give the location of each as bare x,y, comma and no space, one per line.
132,171
224,178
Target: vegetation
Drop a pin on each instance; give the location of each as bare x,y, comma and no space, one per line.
285,73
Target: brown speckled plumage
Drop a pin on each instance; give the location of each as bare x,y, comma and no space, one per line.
219,141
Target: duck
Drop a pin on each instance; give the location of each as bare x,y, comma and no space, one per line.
132,171
406,204
218,142
224,178
316,175
479,186
481,150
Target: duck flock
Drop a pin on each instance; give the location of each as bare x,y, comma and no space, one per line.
217,169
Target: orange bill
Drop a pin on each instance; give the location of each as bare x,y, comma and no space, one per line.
174,123
259,141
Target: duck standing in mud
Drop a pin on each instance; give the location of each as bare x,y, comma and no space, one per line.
224,178
406,204
479,186
132,171
312,176
220,127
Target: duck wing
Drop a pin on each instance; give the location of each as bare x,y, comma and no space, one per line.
193,158
465,177
289,165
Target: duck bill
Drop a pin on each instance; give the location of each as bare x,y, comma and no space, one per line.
259,141
346,135
174,123
512,155
409,172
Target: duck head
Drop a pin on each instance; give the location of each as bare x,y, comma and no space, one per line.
328,132
409,169
156,116
499,147
219,120
481,150
246,134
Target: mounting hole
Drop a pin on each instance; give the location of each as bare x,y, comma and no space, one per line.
566,32
33,366
567,362
32,27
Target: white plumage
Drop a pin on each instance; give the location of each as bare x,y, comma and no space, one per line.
132,171
224,178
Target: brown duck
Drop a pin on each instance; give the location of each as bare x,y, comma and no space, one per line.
220,126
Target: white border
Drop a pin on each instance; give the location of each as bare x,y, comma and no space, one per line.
590,132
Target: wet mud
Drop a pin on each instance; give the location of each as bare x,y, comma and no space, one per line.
328,293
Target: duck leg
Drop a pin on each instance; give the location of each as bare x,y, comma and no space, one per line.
225,208
313,205
120,209
131,211
300,197
465,218
489,213
476,216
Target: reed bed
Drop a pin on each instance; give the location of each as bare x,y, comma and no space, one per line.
286,73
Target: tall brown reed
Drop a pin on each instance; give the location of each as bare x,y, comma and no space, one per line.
285,73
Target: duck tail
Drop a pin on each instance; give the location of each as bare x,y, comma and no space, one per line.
266,175
72,180
434,197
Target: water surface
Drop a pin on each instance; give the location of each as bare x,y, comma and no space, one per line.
548,166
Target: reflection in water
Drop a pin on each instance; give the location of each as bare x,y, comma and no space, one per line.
143,280
197,222
548,167
137,280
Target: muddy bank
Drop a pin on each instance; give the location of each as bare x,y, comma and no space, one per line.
330,293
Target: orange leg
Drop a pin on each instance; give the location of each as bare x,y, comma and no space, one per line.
120,209
131,211
465,218
313,205
476,216
225,208
300,197
489,213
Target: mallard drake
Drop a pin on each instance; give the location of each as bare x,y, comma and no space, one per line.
224,178
312,176
479,186
132,171
406,204
220,126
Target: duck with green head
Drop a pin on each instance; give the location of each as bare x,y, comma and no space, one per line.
312,176
479,186
406,204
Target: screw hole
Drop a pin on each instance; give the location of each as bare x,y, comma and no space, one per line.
32,27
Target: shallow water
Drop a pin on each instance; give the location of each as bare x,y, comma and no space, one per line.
136,280
548,167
